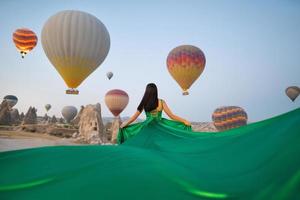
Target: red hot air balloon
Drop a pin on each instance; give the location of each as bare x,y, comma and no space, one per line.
116,100
25,40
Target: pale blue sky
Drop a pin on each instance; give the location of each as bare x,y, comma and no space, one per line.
252,51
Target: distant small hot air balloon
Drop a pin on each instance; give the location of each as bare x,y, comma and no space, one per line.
76,43
47,107
69,113
185,64
109,75
116,100
25,40
292,92
11,99
229,117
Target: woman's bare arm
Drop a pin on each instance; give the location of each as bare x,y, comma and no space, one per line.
172,116
132,119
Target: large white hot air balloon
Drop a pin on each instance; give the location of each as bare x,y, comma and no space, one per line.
76,43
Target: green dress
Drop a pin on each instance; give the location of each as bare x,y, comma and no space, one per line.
154,117
161,160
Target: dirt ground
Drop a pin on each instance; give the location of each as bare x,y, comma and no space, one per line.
13,140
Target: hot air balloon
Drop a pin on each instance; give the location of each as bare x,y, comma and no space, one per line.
11,99
69,113
25,40
47,107
292,92
76,43
109,75
116,100
228,117
185,64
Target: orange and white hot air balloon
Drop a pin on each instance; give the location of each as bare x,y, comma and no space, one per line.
116,100
25,40
185,64
76,43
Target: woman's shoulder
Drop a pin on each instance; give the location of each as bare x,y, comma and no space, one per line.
161,104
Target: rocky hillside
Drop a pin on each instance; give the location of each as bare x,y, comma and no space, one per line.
204,127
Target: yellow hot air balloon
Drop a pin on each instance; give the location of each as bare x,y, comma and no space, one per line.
185,64
76,43
25,40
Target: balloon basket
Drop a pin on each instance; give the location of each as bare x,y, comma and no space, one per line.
72,91
185,93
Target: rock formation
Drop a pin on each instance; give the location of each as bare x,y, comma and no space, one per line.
61,132
5,117
76,120
115,129
30,117
204,127
61,120
91,128
46,118
15,117
53,120
108,130
22,116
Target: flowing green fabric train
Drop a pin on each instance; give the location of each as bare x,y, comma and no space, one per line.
152,117
258,161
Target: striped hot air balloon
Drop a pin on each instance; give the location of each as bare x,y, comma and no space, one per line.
116,100
229,117
185,64
25,40
76,43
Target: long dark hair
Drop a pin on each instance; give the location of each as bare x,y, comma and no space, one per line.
150,100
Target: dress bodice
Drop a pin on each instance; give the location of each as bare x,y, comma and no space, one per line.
156,113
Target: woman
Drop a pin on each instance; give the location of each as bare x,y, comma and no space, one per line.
153,108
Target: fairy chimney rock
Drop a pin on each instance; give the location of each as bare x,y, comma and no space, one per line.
115,129
22,116
15,116
30,117
76,120
5,117
91,128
